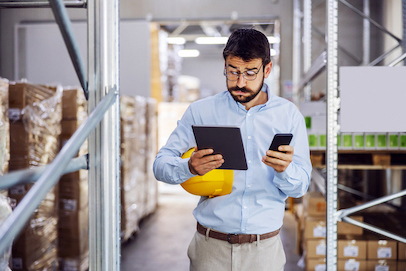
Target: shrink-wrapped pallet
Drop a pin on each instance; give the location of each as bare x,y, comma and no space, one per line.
73,228
5,211
35,115
4,130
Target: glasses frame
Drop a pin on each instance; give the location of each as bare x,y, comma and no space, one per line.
243,74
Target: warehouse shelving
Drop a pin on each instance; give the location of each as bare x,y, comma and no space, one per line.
327,182
102,89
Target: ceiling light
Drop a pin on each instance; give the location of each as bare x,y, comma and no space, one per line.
273,52
273,39
211,40
189,53
175,40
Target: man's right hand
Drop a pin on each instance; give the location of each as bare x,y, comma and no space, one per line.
202,161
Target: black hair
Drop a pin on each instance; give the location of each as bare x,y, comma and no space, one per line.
248,44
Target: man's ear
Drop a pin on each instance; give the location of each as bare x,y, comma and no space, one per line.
268,69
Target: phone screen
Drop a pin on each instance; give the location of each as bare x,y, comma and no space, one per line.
280,139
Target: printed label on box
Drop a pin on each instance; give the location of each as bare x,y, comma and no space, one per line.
14,114
321,249
381,268
17,190
384,252
17,263
320,267
351,265
319,231
69,204
70,265
350,251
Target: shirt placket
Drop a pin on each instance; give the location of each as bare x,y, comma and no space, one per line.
248,173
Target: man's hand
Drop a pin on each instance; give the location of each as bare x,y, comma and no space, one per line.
201,162
279,160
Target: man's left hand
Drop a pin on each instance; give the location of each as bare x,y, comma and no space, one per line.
279,160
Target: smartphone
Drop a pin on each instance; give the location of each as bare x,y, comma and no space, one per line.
280,139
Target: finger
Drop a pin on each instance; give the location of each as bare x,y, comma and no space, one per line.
211,158
286,149
204,152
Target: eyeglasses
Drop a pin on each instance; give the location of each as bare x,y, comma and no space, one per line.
248,75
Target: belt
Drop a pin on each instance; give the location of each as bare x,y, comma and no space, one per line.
235,238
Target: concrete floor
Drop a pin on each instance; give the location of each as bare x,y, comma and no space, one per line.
163,239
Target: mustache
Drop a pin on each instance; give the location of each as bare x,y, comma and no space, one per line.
239,89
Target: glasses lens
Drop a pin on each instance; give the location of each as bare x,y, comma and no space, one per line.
232,76
250,75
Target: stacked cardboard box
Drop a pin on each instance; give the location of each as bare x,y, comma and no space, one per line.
73,228
129,200
151,150
35,114
4,130
314,231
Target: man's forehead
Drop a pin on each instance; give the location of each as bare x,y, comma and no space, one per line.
239,62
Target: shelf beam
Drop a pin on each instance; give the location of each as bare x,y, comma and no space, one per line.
40,4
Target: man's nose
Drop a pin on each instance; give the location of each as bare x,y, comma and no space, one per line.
241,82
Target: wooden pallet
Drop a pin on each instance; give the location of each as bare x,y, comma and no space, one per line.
363,159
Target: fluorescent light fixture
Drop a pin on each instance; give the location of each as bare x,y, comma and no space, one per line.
211,40
189,53
175,40
273,39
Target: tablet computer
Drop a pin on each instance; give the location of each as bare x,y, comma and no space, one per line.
224,140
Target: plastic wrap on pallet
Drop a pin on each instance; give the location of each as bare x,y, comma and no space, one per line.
4,127
73,230
151,150
129,195
35,113
5,211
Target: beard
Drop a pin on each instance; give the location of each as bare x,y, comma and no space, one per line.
244,99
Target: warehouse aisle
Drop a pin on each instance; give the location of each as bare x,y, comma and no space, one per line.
162,241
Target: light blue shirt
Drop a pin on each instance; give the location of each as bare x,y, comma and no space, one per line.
256,204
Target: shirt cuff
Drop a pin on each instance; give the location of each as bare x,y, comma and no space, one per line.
184,168
284,175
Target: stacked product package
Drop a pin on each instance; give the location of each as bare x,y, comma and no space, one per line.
4,130
73,229
35,114
138,150
5,211
129,186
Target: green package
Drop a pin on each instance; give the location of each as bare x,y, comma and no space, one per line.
370,141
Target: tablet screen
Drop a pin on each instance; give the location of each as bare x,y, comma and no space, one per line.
224,140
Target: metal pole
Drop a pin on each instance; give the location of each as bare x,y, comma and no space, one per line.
366,41
40,4
307,44
33,174
65,26
22,213
374,229
332,130
348,211
404,28
104,143
382,57
296,50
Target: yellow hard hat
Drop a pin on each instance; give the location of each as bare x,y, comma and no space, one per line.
217,182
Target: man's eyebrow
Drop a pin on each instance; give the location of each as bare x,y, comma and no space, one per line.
248,69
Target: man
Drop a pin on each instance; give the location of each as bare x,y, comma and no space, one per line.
254,209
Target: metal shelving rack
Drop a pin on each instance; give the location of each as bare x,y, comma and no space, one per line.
102,128
328,61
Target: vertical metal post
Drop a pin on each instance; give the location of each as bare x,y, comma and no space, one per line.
404,28
307,44
104,143
296,50
366,41
332,129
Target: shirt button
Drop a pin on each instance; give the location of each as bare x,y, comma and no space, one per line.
249,161
249,114
248,185
249,137
245,207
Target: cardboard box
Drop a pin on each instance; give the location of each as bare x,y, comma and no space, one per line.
314,204
382,250
352,249
316,227
316,264
401,266
352,265
316,248
74,104
383,265
346,228
401,251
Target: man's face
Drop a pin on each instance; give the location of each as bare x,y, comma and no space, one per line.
243,90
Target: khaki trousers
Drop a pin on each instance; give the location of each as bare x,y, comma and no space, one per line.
209,254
